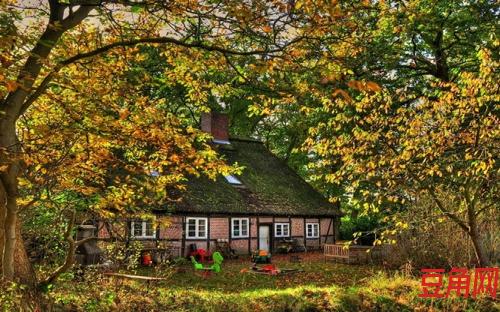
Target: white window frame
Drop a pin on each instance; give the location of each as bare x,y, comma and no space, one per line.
197,228
143,225
240,221
314,228
282,225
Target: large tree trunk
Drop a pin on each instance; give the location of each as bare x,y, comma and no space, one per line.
12,251
9,237
23,270
479,250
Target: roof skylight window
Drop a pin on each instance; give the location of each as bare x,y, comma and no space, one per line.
219,141
231,179
154,173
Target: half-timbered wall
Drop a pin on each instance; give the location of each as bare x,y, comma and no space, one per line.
172,231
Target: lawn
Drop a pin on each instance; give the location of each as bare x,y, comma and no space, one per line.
322,286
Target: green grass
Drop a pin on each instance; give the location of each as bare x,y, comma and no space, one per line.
321,287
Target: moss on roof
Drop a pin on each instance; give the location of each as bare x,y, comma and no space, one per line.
269,187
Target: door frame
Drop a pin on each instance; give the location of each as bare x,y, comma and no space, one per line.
271,236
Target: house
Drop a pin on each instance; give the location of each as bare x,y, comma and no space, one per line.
266,204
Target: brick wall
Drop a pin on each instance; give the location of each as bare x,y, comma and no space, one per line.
325,224
215,124
219,228
297,227
171,228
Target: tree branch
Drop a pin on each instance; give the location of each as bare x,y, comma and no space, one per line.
70,256
446,212
165,40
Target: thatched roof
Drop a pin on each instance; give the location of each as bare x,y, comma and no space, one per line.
269,187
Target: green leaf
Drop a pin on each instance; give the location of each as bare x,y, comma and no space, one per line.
136,8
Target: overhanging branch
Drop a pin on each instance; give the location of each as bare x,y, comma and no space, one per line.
159,40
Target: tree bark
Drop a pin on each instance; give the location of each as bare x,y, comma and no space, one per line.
479,250
481,256
10,238
13,253
9,159
23,270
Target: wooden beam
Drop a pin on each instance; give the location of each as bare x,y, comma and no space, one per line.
208,233
249,235
319,232
183,242
258,233
305,236
328,231
229,230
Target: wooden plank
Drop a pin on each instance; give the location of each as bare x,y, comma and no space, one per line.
335,251
208,233
305,232
137,277
183,242
328,231
249,229
319,232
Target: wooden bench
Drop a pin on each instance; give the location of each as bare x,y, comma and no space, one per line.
335,252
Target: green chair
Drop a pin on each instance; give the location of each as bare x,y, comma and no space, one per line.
215,267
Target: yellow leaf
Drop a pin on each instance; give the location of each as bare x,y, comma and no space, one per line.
344,94
11,86
373,86
267,29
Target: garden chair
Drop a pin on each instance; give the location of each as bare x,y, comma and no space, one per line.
215,267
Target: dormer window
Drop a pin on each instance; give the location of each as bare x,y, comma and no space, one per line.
231,179
224,142
154,173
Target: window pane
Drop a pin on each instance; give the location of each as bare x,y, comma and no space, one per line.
232,179
201,227
285,229
137,228
149,229
191,232
244,227
191,225
278,230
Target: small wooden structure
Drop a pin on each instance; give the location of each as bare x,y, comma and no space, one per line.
357,253
334,251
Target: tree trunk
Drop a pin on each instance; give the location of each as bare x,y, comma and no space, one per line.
12,250
479,250
15,262
9,237
23,272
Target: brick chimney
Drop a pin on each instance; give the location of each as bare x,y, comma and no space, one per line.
216,124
